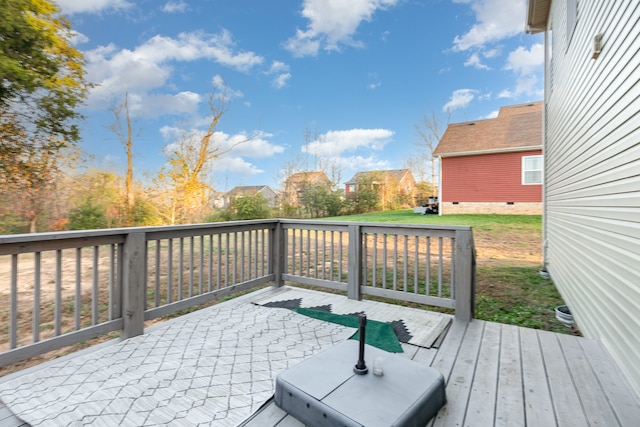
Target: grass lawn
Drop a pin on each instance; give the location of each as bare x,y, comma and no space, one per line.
509,288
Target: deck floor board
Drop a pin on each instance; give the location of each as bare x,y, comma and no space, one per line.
509,407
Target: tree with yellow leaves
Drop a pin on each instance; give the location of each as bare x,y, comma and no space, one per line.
41,85
183,185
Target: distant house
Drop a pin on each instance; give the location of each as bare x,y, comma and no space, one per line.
264,190
494,165
398,184
296,184
591,218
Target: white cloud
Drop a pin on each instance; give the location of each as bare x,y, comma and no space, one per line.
281,80
175,7
236,165
77,38
475,61
334,143
69,7
360,163
351,149
149,66
495,20
527,64
332,24
492,115
460,98
279,71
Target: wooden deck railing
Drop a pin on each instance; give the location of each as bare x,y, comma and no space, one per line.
59,289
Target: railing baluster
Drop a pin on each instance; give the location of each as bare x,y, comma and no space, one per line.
227,257
332,259
36,296
340,246
374,260
315,254
180,268
395,262
365,261
13,303
95,291
191,266
384,260
308,252
405,266
156,289
170,272
242,252
428,268
440,267
114,295
219,262
210,275
262,255
235,258
416,264
57,317
301,251
201,266
324,255
78,289
453,268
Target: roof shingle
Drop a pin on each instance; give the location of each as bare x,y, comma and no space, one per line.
517,127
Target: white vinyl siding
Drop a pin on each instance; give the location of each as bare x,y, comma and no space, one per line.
531,170
592,179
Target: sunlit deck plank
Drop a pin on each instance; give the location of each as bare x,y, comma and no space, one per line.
509,397
480,410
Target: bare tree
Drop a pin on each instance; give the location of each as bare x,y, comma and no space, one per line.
123,129
430,131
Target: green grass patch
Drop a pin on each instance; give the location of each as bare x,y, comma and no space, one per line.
518,296
495,223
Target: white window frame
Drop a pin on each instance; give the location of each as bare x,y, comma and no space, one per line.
525,170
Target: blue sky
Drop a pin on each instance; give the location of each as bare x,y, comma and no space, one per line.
355,76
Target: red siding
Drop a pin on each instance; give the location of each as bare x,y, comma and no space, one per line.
487,178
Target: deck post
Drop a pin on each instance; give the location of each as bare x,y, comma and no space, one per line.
276,262
354,269
464,276
133,283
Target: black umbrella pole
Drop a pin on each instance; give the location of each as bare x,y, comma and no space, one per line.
361,367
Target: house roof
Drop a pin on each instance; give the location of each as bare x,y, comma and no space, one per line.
517,128
245,189
305,177
537,15
397,174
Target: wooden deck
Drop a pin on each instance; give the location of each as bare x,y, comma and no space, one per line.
501,375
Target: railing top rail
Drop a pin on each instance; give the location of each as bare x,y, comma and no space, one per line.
115,235
82,234
376,224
